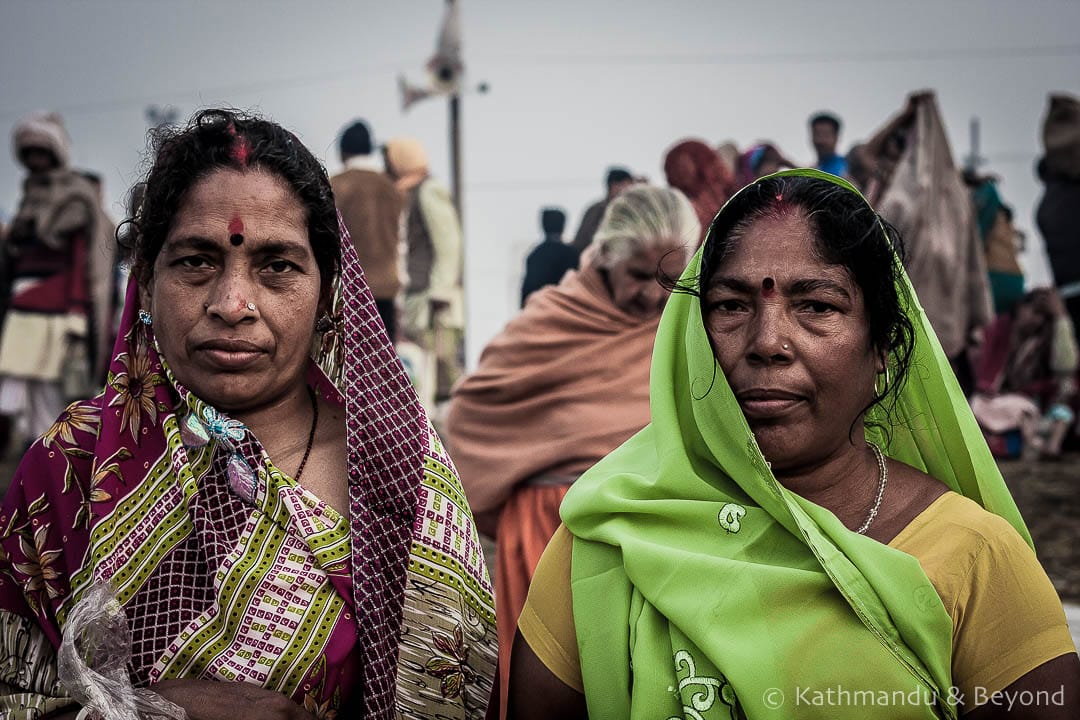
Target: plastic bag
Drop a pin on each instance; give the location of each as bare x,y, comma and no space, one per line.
93,659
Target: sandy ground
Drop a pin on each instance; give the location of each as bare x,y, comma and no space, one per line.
1048,495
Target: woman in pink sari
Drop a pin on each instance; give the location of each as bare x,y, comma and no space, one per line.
281,528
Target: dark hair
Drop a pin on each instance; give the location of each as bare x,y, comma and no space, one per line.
618,175
356,140
828,119
217,139
848,233
552,220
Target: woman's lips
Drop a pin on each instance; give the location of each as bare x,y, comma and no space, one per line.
767,403
230,354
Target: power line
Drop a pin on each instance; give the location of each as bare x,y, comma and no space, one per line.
306,80
669,59
783,58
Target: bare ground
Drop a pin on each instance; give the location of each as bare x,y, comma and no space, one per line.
1048,494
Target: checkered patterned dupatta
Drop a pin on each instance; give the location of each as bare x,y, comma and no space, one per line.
386,434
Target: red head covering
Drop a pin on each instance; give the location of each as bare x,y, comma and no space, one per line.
694,168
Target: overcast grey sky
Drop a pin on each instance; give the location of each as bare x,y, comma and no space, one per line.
575,86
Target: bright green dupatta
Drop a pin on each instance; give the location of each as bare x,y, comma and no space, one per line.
704,589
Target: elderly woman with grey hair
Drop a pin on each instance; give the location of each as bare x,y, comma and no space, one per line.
565,383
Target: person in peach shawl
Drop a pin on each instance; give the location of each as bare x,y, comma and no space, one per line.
564,384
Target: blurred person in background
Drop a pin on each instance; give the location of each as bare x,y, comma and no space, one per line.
1058,213
760,160
5,420
1025,378
371,206
1001,241
696,170
564,383
59,257
552,258
824,135
617,180
433,315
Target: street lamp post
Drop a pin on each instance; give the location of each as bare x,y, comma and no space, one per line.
455,154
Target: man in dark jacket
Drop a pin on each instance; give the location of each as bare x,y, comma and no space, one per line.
1057,213
549,260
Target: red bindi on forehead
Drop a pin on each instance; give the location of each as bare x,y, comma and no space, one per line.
236,231
768,287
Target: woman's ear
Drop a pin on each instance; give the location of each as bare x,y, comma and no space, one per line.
882,360
326,300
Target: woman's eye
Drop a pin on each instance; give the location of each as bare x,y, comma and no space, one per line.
193,261
727,305
818,306
280,266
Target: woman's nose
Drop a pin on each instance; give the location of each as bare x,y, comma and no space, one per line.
770,341
231,298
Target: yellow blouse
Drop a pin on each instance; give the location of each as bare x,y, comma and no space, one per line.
1007,618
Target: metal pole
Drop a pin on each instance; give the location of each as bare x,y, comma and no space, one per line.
455,155
975,159
457,190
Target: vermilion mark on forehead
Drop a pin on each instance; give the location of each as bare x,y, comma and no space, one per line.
768,287
241,149
236,231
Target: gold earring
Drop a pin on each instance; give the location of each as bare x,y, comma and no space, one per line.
884,390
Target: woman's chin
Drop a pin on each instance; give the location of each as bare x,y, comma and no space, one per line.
782,447
236,394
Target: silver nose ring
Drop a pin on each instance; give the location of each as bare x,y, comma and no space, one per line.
251,306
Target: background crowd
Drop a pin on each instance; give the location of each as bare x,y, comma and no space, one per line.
1012,346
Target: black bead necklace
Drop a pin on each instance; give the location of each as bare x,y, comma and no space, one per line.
311,434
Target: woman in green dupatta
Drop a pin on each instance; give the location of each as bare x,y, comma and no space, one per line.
806,528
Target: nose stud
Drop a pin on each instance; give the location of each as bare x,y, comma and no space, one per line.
785,345
251,306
